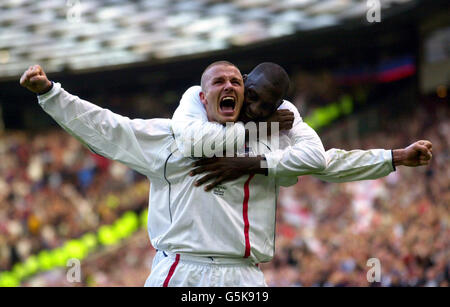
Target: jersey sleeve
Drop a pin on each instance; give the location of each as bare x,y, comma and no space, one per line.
133,142
305,154
341,165
196,136
345,166
287,105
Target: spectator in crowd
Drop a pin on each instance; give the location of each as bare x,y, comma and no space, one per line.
53,189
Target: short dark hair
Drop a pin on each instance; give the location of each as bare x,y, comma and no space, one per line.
223,62
276,75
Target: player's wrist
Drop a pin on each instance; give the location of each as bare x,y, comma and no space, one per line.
47,89
398,157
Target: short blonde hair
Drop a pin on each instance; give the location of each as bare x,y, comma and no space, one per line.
225,63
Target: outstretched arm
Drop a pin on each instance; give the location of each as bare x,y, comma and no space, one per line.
116,137
353,165
343,166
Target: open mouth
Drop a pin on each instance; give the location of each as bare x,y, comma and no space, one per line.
227,105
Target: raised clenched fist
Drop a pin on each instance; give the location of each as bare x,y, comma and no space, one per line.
417,154
35,80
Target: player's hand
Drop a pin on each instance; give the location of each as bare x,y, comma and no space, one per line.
284,117
221,170
35,80
416,154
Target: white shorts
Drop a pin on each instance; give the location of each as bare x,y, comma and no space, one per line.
182,270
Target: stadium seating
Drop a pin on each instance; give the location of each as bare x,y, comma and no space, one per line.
50,193
78,34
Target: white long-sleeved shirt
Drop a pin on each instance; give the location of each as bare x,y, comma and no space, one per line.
300,151
235,220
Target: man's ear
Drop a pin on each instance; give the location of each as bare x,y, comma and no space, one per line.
244,77
203,98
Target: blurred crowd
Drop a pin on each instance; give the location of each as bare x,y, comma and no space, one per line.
53,189
124,265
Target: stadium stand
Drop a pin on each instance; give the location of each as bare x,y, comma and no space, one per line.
80,35
136,58
56,190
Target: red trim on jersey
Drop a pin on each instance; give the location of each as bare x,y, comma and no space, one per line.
245,216
172,270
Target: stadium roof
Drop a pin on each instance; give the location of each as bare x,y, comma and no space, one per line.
80,34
